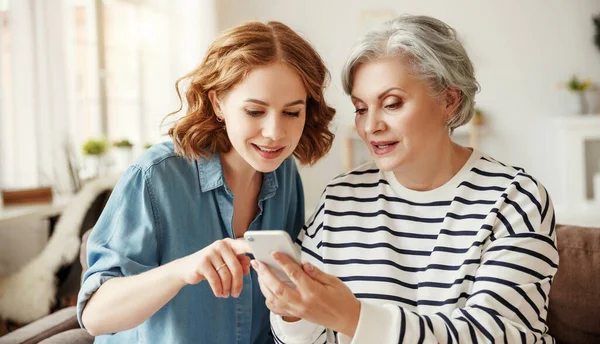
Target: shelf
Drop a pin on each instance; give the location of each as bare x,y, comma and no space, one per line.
580,122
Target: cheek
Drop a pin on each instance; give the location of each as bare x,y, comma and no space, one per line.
416,124
359,123
297,128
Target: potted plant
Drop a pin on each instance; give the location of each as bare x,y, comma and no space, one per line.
93,151
123,153
578,87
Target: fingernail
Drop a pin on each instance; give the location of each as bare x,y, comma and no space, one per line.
275,255
309,267
254,264
236,295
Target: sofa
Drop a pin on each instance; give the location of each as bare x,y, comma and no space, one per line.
573,313
58,327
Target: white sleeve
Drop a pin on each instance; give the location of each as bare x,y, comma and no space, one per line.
299,332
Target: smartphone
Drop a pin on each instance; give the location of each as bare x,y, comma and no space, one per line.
264,242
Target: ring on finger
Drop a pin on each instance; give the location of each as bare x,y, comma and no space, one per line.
220,267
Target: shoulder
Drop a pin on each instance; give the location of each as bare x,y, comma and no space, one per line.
488,166
161,160
523,196
507,176
159,171
161,153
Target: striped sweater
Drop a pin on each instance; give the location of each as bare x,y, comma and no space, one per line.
471,261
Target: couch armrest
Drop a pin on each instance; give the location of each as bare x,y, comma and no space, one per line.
76,336
57,322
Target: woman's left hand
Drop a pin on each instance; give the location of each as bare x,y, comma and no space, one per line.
318,297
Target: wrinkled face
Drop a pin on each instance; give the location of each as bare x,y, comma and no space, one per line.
396,115
264,115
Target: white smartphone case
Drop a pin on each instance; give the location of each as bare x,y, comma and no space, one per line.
264,242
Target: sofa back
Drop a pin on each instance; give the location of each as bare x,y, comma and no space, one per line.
574,308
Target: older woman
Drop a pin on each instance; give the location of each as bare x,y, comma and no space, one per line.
432,242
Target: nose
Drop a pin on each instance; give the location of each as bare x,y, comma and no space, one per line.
373,122
273,127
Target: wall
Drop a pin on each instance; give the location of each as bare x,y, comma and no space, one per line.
521,51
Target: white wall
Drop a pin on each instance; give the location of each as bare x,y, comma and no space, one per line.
521,51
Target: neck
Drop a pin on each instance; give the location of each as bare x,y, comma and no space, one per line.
238,174
433,167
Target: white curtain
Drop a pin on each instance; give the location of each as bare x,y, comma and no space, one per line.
35,119
43,111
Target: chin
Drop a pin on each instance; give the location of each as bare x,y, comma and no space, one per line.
387,164
265,167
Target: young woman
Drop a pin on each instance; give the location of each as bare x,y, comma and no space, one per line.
164,262
433,242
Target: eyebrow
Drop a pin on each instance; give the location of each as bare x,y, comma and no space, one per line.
379,96
388,90
260,102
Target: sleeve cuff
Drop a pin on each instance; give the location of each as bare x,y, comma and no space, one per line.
376,324
301,331
88,288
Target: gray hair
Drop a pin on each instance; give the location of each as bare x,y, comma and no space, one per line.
434,52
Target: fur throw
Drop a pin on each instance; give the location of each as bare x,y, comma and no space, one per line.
30,293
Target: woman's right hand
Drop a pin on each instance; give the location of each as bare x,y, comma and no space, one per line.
222,264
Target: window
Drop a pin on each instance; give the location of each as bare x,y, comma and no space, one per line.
90,69
123,79
5,89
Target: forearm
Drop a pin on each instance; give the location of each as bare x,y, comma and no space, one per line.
123,303
387,323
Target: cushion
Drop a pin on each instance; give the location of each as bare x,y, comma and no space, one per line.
574,308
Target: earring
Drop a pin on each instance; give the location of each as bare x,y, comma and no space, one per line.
219,119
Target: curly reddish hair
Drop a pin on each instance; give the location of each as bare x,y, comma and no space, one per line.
229,59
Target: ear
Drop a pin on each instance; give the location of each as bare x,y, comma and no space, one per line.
214,101
452,101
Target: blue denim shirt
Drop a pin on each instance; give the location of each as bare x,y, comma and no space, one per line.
166,207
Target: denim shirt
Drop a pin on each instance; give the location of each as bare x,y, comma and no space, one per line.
166,207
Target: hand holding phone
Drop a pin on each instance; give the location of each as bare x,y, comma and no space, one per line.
264,242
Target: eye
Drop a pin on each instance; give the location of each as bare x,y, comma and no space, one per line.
360,111
393,106
292,114
254,113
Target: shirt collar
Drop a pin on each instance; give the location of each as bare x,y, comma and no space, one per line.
210,175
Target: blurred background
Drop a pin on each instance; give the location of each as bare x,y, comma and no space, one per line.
86,83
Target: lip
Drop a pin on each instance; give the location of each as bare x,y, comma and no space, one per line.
383,151
268,155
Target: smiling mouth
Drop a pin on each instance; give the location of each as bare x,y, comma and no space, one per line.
383,147
268,149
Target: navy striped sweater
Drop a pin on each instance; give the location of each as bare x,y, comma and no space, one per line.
471,261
